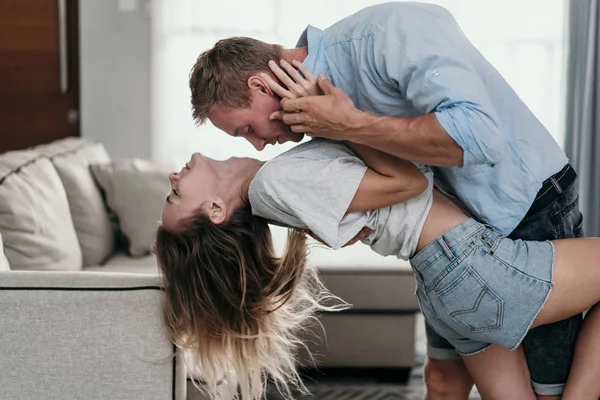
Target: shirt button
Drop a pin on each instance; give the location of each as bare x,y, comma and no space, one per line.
435,73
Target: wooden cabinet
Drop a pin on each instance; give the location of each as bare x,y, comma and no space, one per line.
39,72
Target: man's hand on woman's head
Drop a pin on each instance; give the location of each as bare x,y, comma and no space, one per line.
332,116
296,85
310,105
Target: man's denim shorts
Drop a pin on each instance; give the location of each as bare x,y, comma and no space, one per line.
476,287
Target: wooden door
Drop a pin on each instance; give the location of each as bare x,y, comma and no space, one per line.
39,72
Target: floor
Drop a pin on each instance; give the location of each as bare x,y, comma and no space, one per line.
352,389
365,390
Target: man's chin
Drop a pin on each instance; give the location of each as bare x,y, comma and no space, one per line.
297,137
293,137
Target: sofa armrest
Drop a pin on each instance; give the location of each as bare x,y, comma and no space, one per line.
85,335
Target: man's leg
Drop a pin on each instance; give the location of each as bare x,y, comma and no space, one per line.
446,376
549,349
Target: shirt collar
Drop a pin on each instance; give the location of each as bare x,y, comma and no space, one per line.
313,38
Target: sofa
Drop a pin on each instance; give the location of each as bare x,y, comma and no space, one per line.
80,289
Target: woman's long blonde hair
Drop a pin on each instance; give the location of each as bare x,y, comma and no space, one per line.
235,307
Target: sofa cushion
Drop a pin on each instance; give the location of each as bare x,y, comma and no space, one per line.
35,220
380,288
122,262
71,158
135,190
3,260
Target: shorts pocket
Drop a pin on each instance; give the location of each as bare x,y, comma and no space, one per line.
469,302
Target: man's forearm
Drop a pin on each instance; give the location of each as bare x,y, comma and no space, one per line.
420,139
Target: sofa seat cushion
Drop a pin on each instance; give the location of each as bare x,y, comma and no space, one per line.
35,219
71,158
121,262
377,287
365,279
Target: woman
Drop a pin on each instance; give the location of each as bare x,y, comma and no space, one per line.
237,306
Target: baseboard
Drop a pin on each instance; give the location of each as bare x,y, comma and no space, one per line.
377,374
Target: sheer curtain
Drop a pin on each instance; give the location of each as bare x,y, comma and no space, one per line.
583,107
524,45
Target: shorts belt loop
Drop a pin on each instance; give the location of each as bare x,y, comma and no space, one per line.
556,185
495,245
445,247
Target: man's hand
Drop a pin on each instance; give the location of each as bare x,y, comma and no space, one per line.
329,116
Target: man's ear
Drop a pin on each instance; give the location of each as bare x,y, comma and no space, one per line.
216,210
258,84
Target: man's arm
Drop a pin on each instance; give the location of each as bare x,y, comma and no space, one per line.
420,139
429,63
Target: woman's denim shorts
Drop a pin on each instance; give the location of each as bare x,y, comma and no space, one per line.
476,287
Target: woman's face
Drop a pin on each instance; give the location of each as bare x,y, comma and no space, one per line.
210,186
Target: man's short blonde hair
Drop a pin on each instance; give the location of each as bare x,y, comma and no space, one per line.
219,77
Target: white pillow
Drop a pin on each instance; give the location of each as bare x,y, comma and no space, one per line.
3,261
90,216
35,220
135,190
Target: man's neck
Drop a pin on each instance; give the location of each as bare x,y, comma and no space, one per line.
298,54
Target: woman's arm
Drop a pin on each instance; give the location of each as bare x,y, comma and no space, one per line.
388,181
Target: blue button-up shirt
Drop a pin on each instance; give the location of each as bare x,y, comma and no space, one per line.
408,59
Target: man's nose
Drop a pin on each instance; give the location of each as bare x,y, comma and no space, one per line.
259,144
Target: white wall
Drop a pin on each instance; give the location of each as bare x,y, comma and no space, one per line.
115,76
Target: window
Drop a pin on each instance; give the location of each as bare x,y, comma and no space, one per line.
524,40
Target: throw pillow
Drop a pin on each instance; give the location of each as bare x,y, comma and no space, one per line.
3,261
135,190
35,219
71,158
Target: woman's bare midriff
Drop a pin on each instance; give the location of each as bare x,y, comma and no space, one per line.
443,216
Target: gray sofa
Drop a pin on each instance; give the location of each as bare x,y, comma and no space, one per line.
92,336
65,208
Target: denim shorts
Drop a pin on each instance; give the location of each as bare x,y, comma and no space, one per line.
549,348
477,287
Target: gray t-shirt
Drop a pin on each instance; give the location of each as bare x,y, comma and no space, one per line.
311,187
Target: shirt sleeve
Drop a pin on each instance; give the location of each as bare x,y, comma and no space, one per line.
426,59
313,193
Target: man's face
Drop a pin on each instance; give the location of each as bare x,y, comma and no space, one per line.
253,123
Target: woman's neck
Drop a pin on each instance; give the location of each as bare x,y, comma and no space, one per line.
244,178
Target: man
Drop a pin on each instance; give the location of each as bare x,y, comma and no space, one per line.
409,83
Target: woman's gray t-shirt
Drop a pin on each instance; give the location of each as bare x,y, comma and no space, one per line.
312,185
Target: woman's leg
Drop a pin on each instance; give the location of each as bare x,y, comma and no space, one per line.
500,374
576,280
583,383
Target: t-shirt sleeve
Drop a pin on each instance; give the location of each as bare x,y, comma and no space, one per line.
312,193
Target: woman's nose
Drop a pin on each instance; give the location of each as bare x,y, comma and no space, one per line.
174,176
